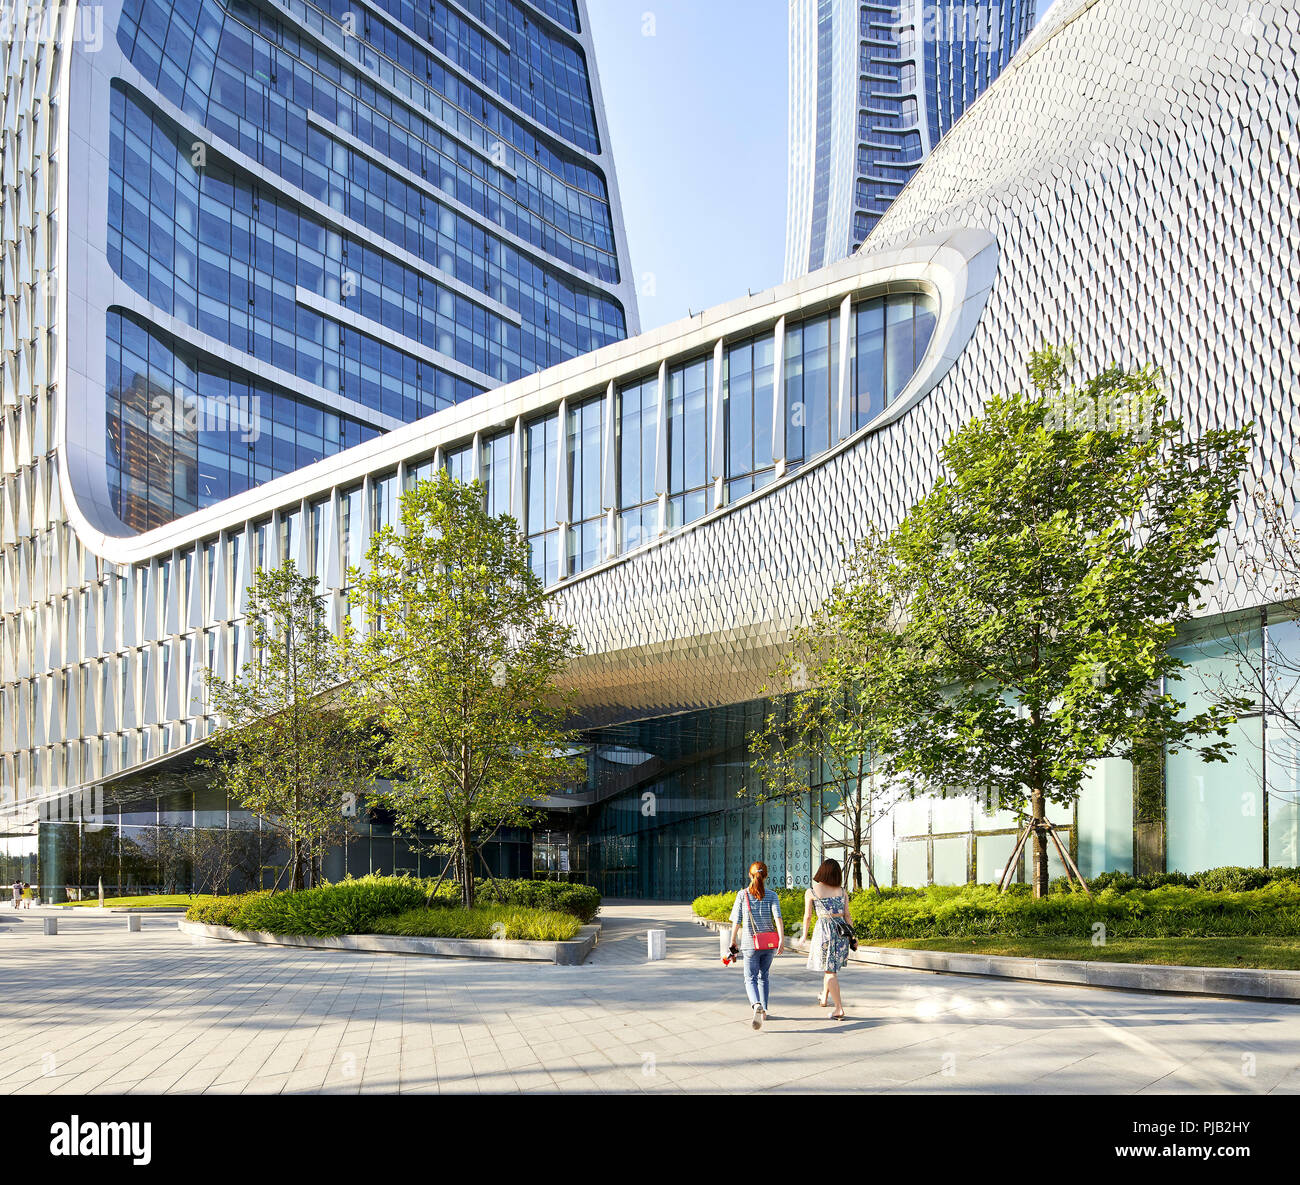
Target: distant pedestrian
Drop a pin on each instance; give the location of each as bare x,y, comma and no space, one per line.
28,894
756,922
829,949
17,889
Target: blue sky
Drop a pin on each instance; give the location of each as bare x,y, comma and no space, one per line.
696,94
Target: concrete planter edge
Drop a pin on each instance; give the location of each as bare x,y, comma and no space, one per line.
565,954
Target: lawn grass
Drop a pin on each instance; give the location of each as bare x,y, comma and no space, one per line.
154,900
1274,953
483,921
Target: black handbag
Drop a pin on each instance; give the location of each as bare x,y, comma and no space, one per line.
846,931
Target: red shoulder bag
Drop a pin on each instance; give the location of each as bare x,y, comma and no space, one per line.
763,939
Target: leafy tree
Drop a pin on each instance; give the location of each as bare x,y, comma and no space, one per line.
461,661
1045,576
832,684
224,860
291,749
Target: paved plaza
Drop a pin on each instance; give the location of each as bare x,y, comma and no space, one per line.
99,1010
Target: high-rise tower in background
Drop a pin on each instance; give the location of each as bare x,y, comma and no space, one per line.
873,87
327,219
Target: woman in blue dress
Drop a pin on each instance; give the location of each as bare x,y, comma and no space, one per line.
829,950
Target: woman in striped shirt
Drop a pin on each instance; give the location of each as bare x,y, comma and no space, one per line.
757,910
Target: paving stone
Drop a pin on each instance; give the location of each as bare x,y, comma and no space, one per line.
621,1024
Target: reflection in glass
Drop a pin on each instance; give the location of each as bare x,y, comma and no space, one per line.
689,387
1282,741
747,377
1215,810
636,441
586,511
540,473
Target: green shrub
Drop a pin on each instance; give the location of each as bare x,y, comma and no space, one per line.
716,907
450,921
1223,902
582,901
1233,879
350,907
381,905
220,911
1124,882
1239,880
1172,911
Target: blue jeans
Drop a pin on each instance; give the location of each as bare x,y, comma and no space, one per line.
757,965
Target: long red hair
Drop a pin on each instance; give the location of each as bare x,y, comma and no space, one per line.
757,880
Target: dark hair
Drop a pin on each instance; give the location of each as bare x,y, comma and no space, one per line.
829,874
757,880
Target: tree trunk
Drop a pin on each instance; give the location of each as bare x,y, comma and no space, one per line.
298,878
1039,879
297,881
467,866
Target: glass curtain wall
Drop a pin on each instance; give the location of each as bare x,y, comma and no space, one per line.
196,841
586,506
496,473
891,336
637,441
542,440
1215,811
812,369
748,374
689,480
1282,740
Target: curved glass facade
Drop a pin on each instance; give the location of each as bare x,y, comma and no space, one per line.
185,432
395,206
669,470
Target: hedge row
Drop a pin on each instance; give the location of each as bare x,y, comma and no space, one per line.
220,911
717,907
362,906
582,901
351,907
1231,879
1175,911
1128,907
483,921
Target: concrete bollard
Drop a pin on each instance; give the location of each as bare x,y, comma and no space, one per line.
133,923
51,925
657,943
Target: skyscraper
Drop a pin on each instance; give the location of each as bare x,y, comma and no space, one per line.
241,237
316,221
874,85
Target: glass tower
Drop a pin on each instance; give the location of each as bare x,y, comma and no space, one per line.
335,217
873,87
